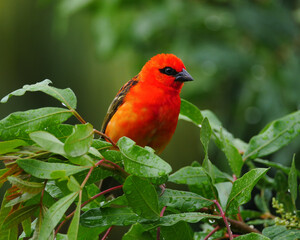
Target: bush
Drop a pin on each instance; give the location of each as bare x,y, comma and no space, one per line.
54,170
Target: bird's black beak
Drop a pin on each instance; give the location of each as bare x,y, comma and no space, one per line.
183,76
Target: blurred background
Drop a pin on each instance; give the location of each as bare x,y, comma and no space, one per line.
243,55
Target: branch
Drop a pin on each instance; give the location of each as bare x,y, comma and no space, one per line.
106,137
224,218
241,226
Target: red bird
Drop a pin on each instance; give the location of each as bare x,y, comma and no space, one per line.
146,108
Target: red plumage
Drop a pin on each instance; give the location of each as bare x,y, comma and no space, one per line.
146,109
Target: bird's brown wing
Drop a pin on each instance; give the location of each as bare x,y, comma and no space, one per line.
118,101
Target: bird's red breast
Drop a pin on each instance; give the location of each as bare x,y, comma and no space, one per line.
146,108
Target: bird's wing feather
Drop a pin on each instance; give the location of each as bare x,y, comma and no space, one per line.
118,101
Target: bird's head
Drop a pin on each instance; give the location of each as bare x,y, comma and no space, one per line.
165,69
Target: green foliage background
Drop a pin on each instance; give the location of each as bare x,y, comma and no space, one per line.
244,56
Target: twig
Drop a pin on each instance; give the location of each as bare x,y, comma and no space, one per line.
158,228
99,194
106,137
224,218
85,203
76,114
212,232
241,226
106,234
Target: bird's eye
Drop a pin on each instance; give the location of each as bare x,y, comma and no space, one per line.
168,71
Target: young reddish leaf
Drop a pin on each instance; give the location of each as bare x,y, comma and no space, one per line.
19,216
26,186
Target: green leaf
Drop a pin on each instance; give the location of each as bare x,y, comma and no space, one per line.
279,166
20,124
80,141
142,161
120,201
280,232
252,236
234,157
61,236
142,197
292,180
169,220
26,225
100,144
137,232
190,112
219,132
61,131
205,135
48,142
274,136
108,216
74,226
242,187
11,146
45,170
26,186
281,182
184,201
65,96
189,176
84,160
54,215
73,185
85,233
224,189
53,189
19,216
180,230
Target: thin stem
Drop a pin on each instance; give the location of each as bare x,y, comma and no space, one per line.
85,203
106,234
76,114
242,227
99,194
106,137
87,177
224,218
117,167
163,211
212,232
158,228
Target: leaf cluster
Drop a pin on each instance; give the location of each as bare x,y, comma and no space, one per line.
56,170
